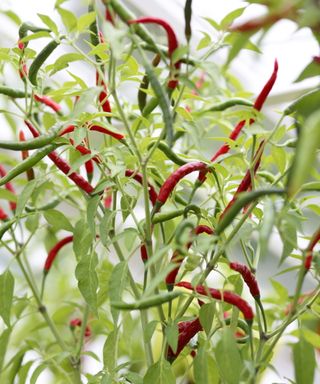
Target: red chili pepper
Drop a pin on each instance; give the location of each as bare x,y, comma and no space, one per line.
138,177
77,323
316,59
9,187
173,180
314,240
257,105
3,215
248,278
49,102
227,296
177,258
143,253
246,182
25,155
187,330
108,199
172,41
96,128
85,151
63,165
54,251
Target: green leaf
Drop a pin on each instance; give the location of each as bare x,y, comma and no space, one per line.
105,226
303,162
109,351
204,42
63,62
25,196
35,36
88,279
311,337
6,295
37,372
13,16
7,195
304,362
69,20
159,373
85,20
49,23
82,239
206,314
4,340
92,212
117,284
266,227
228,358
205,368
172,334
58,220
150,328
281,291
311,70
230,17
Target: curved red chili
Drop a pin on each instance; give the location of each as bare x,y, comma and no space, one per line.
177,258
248,277
63,165
227,296
187,330
138,177
96,128
85,151
309,251
9,187
49,102
172,40
54,251
174,178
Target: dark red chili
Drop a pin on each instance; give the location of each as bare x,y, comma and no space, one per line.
96,128
248,277
187,330
172,41
25,155
77,323
246,183
227,296
49,102
54,251
138,177
309,251
63,165
177,258
9,187
173,180
3,215
257,105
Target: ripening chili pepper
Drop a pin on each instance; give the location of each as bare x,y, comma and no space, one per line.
177,258
108,198
138,177
9,187
25,155
96,128
246,182
187,330
316,59
248,277
77,323
257,105
172,43
226,296
54,251
309,251
63,165
49,102
173,180
40,59
3,215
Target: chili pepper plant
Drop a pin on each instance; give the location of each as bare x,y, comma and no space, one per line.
139,208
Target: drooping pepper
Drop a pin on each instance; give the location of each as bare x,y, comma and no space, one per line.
9,187
54,252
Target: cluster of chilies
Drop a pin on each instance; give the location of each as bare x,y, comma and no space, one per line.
187,329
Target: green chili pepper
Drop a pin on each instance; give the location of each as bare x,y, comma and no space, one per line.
36,143
192,207
243,200
228,104
151,301
165,216
187,18
25,27
302,100
151,105
180,230
29,162
163,147
40,59
14,93
142,96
